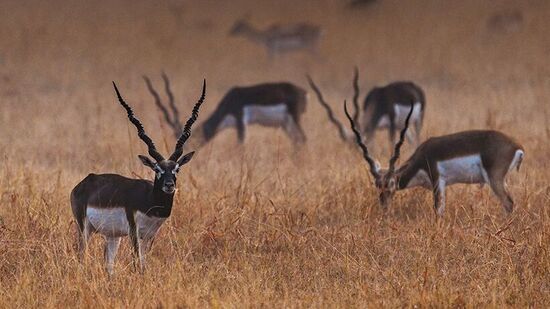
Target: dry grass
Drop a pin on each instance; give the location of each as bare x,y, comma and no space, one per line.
261,225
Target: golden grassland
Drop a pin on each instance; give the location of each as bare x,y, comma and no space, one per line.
261,224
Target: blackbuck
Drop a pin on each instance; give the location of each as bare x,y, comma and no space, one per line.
115,206
384,108
468,157
280,39
278,105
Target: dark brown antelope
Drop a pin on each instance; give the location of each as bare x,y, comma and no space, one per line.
384,108
116,206
278,105
279,39
468,157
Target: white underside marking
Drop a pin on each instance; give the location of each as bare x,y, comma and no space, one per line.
518,156
401,112
466,169
273,116
228,122
112,222
270,116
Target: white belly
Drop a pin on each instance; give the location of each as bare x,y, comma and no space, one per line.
273,116
112,222
228,121
401,112
421,179
462,170
288,43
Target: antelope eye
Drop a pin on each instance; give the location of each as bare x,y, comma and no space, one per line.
159,171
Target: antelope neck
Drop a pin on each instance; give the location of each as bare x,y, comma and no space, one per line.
160,203
405,174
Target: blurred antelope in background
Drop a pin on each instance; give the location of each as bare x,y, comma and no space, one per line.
116,206
279,39
278,105
384,108
480,156
270,104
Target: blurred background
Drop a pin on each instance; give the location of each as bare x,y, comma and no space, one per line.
474,59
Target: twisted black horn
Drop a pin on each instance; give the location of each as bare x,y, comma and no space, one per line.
328,109
141,132
171,122
187,129
356,94
397,150
358,140
173,107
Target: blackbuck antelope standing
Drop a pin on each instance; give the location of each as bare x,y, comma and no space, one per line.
279,39
384,108
465,157
278,105
116,206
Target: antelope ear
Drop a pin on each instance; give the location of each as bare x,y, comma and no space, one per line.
147,162
186,158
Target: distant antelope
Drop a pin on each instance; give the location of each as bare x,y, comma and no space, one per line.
116,206
464,157
280,39
384,107
270,104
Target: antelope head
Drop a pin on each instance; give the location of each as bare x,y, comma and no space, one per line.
165,170
385,180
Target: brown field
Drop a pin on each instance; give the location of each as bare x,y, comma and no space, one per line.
261,225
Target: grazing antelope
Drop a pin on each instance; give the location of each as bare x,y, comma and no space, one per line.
481,156
384,107
271,104
280,39
116,206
